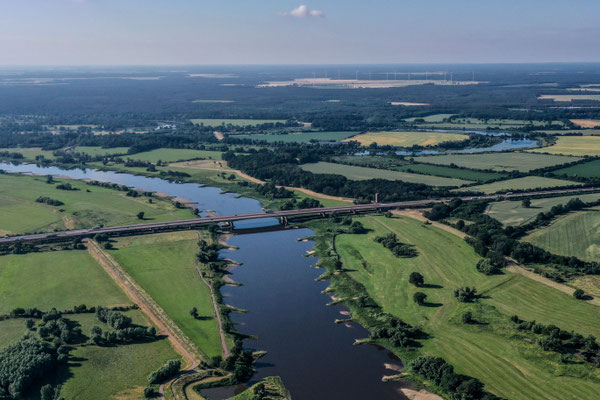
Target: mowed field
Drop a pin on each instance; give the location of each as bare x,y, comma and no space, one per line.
164,265
300,137
576,234
509,367
235,122
512,213
99,151
363,173
172,155
528,182
501,161
458,173
431,118
30,153
573,146
586,123
63,279
87,207
407,139
586,170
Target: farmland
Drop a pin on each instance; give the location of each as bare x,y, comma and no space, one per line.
235,122
557,238
573,146
505,161
30,153
478,123
512,213
164,265
86,207
585,170
99,151
447,262
458,173
407,139
431,118
526,183
300,137
570,97
172,155
64,279
362,173
586,123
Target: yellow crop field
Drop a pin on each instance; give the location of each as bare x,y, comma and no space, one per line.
570,97
586,123
407,139
573,146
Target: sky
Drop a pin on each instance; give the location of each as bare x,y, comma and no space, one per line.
202,32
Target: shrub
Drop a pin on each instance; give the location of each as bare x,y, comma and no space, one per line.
579,294
465,294
169,370
416,279
419,298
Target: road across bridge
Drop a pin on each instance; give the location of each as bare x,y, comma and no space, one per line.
282,215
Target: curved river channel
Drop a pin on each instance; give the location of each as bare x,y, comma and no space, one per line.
287,311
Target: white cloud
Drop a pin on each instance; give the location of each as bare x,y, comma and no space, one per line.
304,12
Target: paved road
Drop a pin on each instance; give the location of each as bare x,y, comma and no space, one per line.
324,211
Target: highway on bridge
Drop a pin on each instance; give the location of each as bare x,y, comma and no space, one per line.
153,227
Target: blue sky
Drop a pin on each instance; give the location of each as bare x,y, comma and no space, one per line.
115,32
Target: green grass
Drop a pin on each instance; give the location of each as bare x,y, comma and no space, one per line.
163,264
431,118
362,173
273,385
300,137
458,173
573,146
172,155
586,170
30,153
60,279
512,213
560,236
505,161
508,366
407,139
526,183
215,122
20,213
99,151
11,331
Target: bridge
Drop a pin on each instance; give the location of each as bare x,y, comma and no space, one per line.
153,227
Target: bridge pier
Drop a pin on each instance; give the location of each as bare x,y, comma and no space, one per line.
283,220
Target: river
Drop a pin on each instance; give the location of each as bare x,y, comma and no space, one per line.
314,356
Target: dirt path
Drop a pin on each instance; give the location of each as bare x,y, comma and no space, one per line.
156,314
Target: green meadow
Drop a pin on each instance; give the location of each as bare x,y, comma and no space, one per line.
525,183
172,155
491,350
165,266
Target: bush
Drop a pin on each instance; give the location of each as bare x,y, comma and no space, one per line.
169,370
150,392
485,267
467,318
465,294
419,298
579,294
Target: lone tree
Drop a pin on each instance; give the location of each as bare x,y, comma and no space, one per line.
416,279
140,215
419,298
579,294
465,294
526,203
467,318
194,312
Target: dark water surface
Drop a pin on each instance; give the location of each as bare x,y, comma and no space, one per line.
287,311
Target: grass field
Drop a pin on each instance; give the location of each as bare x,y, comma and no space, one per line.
586,170
513,213
172,155
214,122
431,118
362,173
573,146
505,161
559,236
458,173
407,139
300,137
63,279
509,367
30,152
163,264
19,212
528,182
99,151
582,132
570,97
